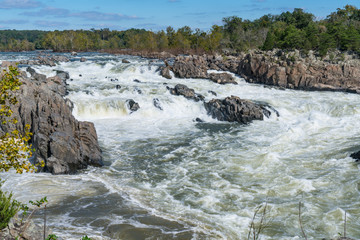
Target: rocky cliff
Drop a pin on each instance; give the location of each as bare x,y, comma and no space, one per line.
63,143
278,68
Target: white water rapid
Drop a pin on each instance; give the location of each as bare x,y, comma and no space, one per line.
167,176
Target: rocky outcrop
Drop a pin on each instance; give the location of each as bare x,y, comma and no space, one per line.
48,60
288,71
27,230
222,78
165,72
234,109
188,93
190,67
63,143
125,61
278,68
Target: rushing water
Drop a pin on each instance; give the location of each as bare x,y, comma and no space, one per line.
167,176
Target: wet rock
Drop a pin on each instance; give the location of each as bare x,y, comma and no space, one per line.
125,61
82,59
132,105
234,109
118,86
36,76
183,90
137,90
156,103
73,53
212,92
80,75
114,80
137,81
63,75
222,78
165,72
356,156
199,120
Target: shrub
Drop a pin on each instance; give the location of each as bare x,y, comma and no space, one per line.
8,207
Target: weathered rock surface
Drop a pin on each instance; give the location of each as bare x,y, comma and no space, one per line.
63,143
278,68
125,61
25,231
189,93
48,60
190,67
165,72
222,78
234,109
132,105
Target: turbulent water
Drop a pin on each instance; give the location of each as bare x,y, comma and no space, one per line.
167,176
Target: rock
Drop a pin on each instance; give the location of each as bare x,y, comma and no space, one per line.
137,90
165,72
63,75
199,120
156,103
234,109
132,105
36,76
189,93
137,81
222,78
118,86
59,140
73,53
82,59
28,230
356,156
125,61
190,67
212,92
6,64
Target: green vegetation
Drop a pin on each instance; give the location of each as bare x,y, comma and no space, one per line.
289,30
8,207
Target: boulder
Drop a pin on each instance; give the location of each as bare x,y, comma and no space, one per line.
125,61
6,64
82,59
222,78
132,105
165,72
234,109
188,93
190,67
356,156
36,76
63,143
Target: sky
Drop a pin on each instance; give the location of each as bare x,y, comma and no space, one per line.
152,15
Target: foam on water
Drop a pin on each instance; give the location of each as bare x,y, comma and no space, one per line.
170,177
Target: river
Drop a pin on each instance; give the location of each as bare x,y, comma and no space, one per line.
167,176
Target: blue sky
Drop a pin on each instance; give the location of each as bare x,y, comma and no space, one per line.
149,14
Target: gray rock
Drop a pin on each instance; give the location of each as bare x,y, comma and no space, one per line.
234,109
188,93
165,72
132,105
157,104
125,61
222,78
82,59
35,75
63,143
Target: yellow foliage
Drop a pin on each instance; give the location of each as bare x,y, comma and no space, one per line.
14,148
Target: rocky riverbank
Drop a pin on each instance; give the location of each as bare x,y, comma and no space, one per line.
65,144
337,72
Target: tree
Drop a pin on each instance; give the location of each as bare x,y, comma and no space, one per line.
14,150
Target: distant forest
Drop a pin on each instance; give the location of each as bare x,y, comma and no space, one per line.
288,30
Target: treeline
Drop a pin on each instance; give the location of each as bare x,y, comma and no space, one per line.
289,30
